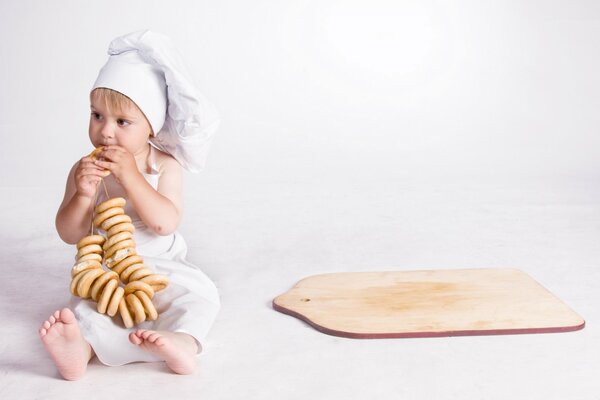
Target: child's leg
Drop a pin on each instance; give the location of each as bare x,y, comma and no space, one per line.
176,348
63,340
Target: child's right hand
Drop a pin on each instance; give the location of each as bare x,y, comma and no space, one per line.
87,177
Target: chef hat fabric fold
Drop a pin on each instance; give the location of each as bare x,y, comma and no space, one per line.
145,67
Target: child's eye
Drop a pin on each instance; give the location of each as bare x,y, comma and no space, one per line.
122,122
96,116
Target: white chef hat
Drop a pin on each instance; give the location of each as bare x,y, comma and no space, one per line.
145,67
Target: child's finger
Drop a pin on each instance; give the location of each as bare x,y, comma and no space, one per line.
83,164
104,165
87,160
113,153
90,165
107,151
95,172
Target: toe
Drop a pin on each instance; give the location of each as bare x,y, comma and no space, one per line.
133,338
139,333
67,316
153,337
42,332
56,314
146,334
46,325
51,319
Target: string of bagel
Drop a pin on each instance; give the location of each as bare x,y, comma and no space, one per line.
117,252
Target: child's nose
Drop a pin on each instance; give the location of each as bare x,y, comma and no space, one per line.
107,131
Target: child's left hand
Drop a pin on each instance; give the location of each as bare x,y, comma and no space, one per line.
119,162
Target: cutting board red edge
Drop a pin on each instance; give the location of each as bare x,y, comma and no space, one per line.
355,335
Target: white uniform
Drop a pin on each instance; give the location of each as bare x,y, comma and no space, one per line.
189,304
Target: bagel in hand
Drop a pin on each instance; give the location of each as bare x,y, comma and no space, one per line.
94,156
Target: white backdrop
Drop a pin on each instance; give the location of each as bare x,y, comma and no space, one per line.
356,136
332,90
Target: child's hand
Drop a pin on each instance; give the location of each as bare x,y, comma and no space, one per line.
87,177
119,162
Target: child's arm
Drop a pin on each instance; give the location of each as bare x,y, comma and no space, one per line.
73,219
159,209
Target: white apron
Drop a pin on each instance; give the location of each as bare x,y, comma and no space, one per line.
189,304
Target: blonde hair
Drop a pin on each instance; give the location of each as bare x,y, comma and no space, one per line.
114,100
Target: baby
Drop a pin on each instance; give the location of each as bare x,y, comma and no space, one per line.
151,123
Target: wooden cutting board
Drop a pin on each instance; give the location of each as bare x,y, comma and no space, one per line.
403,304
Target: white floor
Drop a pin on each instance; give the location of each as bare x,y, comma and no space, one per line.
257,239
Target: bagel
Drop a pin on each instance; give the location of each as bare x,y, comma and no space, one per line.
87,279
140,274
90,248
114,239
125,314
136,307
110,203
133,287
124,227
122,245
94,156
91,239
99,283
117,251
115,300
90,257
123,264
78,277
117,219
127,272
84,266
119,255
149,308
111,212
107,295
158,282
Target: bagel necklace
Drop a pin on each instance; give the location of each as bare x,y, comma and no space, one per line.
116,251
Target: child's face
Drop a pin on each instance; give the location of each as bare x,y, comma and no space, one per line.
127,128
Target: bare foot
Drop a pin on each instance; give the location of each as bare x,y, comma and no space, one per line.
62,339
177,349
